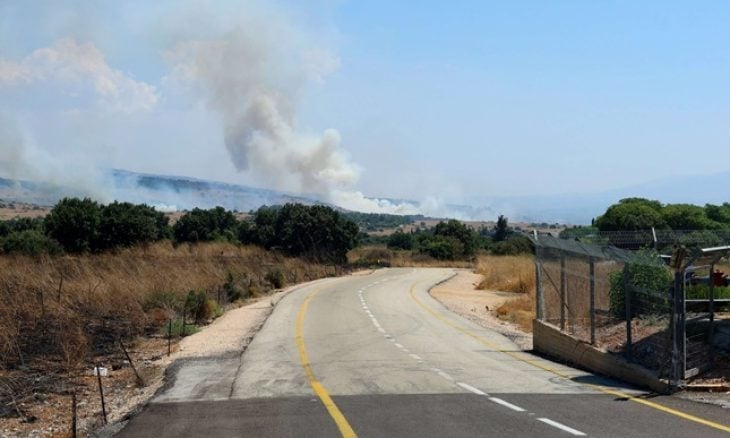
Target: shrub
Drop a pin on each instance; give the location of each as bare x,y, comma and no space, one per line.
514,245
276,278
196,305
400,240
206,225
649,281
124,224
30,242
74,223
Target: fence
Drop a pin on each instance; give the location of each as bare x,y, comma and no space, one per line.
630,303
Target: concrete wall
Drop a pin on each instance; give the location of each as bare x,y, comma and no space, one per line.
549,340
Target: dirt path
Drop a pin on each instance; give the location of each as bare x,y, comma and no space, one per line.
460,295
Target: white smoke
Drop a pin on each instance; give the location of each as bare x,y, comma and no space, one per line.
22,159
77,71
254,82
76,66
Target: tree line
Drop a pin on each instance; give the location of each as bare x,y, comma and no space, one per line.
82,225
453,240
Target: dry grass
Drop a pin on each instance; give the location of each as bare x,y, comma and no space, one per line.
65,310
507,273
511,274
379,255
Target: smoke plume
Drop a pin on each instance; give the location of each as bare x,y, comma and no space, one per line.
254,83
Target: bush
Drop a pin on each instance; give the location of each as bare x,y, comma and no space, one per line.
400,240
442,247
649,281
125,224
206,225
30,242
74,223
196,305
317,232
514,245
276,278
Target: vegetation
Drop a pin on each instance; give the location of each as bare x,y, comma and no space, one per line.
648,280
633,214
316,232
511,274
61,309
378,221
199,225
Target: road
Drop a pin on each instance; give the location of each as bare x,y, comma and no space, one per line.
377,356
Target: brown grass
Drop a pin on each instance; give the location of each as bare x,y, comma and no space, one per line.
507,273
511,274
65,310
380,255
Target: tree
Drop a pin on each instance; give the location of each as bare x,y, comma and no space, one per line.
74,223
502,229
206,225
400,240
465,235
632,214
317,232
125,224
687,217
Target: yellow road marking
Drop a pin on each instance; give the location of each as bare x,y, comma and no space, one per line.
563,375
334,411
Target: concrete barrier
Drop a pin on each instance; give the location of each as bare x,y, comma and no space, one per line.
549,340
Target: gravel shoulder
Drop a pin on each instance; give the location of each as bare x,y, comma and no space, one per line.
460,295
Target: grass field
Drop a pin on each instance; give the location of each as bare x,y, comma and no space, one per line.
511,274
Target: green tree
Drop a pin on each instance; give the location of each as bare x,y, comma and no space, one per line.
400,240
318,232
124,224
74,223
687,217
502,229
632,214
206,225
649,281
462,233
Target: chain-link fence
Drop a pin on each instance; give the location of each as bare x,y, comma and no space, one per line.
658,312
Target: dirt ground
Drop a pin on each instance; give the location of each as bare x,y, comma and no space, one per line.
460,295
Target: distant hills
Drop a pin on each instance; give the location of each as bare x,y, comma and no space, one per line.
161,191
184,193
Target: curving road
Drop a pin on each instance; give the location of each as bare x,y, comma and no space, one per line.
376,356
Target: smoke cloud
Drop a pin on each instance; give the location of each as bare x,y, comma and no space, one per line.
75,67
251,70
254,82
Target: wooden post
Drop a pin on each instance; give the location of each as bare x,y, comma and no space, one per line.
101,391
73,414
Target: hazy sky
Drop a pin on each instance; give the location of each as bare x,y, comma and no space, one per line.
448,100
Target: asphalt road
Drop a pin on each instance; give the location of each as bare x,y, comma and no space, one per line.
376,356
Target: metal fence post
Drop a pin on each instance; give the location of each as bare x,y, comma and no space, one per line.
563,290
677,372
539,298
711,334
627,304
592,275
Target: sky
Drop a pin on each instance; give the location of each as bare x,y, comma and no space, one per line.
448,101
